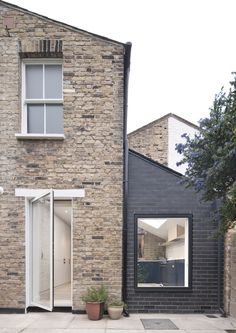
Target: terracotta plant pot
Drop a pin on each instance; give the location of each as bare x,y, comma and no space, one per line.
115,312
94,310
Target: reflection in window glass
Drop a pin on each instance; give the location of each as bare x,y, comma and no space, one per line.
162,252
53,81
35,113
34,81
54,118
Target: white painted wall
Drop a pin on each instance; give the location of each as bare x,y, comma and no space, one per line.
175,250
62,252
175,129
41,254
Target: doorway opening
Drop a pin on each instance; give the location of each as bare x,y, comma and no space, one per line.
62,252
49,267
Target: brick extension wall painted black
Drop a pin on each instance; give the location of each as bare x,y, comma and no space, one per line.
155,189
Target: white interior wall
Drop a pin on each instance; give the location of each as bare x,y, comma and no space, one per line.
175,251
62,252
175,129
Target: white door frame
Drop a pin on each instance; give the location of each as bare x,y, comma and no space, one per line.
51,236
67,194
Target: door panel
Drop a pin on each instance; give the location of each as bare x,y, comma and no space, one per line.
42,251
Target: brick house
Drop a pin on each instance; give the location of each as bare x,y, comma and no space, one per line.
63,124
157,139
173,263
77,209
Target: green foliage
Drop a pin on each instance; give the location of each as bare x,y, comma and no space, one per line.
211,156
118,303
228,210
96,295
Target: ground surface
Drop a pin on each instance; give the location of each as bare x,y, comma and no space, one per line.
69,323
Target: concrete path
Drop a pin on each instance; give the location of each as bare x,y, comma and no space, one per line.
69,323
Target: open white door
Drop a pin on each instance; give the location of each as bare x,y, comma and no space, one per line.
41,262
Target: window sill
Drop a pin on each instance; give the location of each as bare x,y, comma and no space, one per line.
30,136
173,289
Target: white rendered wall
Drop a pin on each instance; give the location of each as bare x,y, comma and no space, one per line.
175,129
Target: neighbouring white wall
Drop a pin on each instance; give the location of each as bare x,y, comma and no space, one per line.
175,129
175,250
62,252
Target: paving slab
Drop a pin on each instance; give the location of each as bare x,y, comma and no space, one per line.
84,323
15,321
10,330
224,323
73,323
192,323
54,322
205,331
125,324
114,330
166,331
59,330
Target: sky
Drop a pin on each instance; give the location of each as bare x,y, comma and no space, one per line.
183,51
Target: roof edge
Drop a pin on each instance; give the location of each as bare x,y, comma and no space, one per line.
65,25
168,115
155,163
184,120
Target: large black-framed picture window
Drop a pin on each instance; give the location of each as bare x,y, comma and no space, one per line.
163,251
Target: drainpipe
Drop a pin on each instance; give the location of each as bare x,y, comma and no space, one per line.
127,54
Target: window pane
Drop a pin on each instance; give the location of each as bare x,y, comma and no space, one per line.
162,247
54,118
35,118
53,81
34,81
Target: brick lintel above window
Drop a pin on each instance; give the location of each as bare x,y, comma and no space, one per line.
41,48
37,55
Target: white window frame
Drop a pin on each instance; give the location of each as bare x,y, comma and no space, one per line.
24,101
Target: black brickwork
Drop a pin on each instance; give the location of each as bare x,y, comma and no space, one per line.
155,190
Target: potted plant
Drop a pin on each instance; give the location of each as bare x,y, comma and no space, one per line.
115,309
95,299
